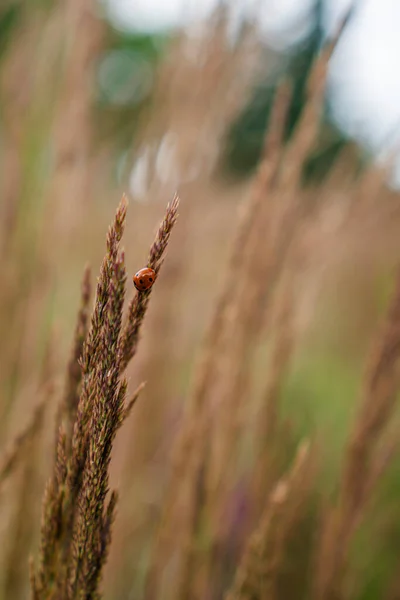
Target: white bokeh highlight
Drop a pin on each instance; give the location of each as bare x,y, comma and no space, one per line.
364,78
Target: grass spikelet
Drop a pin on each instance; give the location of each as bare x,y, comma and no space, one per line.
104,542
32,580
51,525
59,500
89,547
77,518
138,305
95,346
74,371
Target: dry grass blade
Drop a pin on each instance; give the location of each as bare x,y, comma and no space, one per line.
273,238
381,462
218,331
267,427
393,591
381,384
32,580
11,456
189,450
281,355
378,401
132,401
257,573
267,253
306,130
22,529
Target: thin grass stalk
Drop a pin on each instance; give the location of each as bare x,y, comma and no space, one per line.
15,96
263,557
151,444
378,402
29,119
223,471
268,424
22,527
190,448
25,455
81,46
271,244
281,355
269,248
13,454
393,590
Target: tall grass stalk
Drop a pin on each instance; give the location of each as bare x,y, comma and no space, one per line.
78,509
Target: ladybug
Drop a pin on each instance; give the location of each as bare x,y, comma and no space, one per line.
144,279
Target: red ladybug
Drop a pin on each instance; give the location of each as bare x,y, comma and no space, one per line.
144,279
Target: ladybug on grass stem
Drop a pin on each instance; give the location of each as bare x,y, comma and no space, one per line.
144,279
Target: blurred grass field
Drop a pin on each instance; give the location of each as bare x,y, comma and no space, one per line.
89,112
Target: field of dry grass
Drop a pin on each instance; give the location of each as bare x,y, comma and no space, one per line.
232,432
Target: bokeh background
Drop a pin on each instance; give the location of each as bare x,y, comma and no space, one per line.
148,97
